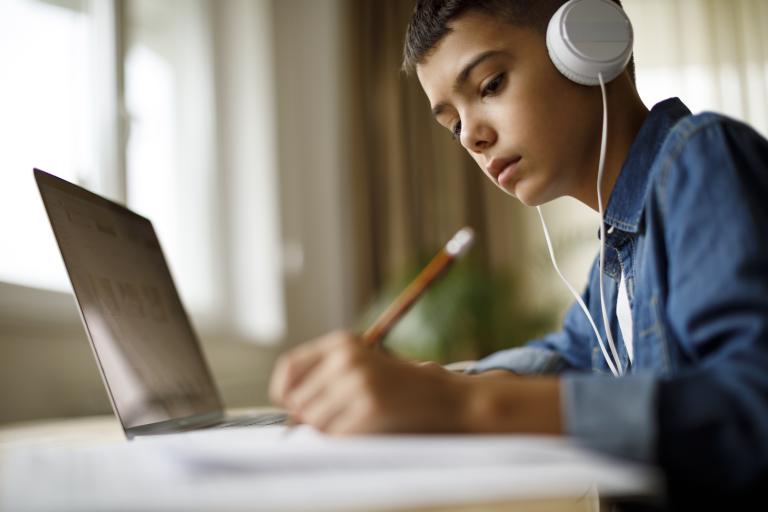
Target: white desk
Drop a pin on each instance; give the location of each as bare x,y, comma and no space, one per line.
286,488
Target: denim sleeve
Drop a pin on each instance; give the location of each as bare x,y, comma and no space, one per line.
612,415
522,360
711,198
615,416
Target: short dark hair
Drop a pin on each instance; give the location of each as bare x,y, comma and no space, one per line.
430,19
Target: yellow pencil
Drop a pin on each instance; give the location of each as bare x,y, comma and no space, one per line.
457,246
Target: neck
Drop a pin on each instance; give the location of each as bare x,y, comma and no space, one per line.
626,114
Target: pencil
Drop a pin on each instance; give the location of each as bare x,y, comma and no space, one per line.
456,247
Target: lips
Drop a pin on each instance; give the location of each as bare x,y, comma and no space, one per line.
501,169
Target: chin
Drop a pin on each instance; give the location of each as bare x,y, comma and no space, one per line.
523,194
532,194
526,192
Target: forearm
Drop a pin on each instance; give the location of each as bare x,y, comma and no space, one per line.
509,403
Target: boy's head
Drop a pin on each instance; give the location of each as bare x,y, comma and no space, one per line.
485,68
430,19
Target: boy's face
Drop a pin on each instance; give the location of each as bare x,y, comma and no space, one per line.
533,132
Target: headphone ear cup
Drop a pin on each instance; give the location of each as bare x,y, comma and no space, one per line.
586,38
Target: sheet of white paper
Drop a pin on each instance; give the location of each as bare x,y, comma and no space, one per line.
268,469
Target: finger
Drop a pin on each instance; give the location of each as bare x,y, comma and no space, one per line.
364,412
289,370
282,374
294,366
324,375
357,418
330,404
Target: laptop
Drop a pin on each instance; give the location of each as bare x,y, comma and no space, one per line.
148,354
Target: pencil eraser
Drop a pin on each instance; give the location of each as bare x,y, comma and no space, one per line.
460,242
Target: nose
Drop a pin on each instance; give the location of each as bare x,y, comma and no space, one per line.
477,136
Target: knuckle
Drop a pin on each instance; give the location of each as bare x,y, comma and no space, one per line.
344,359
347,356
344,338
349,339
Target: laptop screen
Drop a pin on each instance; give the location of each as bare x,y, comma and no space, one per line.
147,351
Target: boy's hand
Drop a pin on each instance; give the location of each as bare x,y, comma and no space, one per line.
339,386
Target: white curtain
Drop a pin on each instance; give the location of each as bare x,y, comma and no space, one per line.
713,54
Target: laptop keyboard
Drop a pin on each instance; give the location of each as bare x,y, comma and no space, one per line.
261,420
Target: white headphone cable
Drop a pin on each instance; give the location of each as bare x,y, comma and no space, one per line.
615,368
575,294
600,172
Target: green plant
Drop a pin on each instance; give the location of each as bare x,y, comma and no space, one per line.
469,313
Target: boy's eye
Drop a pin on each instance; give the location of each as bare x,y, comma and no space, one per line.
456,130
494,85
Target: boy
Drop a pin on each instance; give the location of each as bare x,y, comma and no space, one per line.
685,249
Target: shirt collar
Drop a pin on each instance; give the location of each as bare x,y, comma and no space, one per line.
625,206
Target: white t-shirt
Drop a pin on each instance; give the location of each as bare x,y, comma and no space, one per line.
624,314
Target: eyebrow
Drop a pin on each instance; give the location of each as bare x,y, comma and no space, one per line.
463,76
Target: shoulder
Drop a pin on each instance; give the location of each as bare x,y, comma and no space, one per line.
709,151
709,134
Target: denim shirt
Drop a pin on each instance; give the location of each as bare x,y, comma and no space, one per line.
687,223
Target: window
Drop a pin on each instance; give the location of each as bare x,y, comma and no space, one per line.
48,121
166,107
171,157
201,156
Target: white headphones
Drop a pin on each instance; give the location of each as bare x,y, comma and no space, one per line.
590,42
589,37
